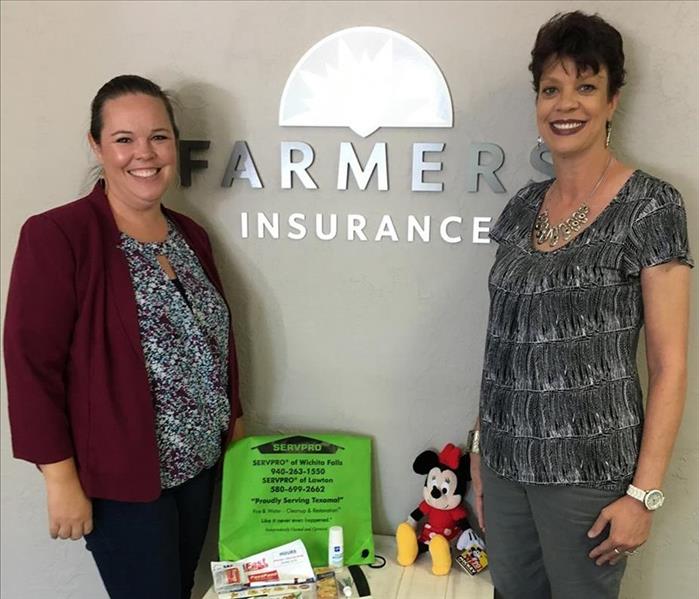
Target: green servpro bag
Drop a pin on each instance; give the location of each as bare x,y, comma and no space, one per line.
280,488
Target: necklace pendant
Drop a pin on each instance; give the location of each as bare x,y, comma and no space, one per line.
573,224
544,231
554,237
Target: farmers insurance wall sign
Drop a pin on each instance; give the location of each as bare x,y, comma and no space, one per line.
363,78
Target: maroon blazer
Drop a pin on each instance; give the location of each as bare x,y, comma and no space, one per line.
76,375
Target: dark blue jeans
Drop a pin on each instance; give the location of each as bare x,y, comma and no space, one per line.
150,550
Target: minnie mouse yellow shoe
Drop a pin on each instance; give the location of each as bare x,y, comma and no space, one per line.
406,543
441,555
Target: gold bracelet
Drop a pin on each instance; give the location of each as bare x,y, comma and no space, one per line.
473,442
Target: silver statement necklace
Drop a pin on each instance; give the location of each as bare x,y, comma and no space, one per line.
544,231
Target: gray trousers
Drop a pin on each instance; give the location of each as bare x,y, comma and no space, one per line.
537,544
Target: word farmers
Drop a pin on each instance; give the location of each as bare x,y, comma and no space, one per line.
354,227
296,158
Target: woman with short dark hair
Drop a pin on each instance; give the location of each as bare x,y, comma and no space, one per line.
120,362
570,469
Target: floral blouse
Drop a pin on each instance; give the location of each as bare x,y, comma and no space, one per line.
184,325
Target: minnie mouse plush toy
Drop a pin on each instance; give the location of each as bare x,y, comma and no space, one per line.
443,494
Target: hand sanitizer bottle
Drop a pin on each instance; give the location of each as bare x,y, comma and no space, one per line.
336,550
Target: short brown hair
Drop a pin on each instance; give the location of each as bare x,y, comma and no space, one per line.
588,40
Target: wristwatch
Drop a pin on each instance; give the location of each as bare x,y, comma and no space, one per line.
473,441
652,498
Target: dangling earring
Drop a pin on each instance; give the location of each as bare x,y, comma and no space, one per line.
539,141
609,134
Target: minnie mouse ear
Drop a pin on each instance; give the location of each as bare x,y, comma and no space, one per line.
425,462
465,466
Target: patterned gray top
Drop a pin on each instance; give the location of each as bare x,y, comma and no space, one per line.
560,395
185,344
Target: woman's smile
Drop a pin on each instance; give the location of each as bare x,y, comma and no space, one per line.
567,126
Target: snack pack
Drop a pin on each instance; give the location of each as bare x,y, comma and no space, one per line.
285,591
284,565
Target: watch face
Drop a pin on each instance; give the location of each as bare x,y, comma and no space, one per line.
654,499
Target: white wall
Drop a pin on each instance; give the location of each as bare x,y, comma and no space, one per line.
383,339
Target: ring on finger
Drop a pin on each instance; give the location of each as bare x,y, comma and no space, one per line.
616,550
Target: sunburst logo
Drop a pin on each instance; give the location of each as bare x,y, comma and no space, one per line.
365,78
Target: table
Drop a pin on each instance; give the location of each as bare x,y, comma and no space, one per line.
417,581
